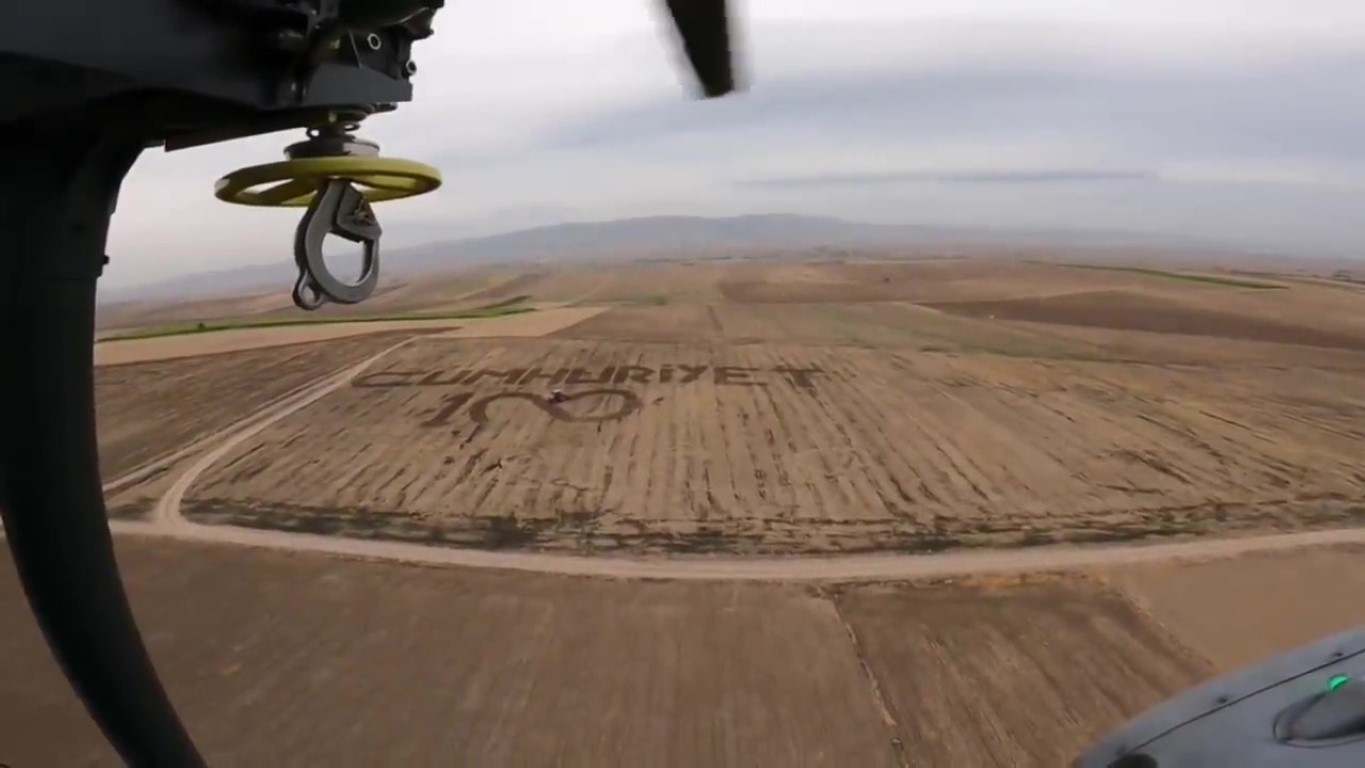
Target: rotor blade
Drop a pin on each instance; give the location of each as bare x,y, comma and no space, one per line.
704,27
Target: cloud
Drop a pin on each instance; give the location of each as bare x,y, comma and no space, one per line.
1045,176
1304,107
1226,119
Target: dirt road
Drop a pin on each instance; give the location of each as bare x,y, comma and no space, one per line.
168,521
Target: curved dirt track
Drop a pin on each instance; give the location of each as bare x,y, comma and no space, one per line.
168,521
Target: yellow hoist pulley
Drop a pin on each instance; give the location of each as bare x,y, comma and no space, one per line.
337,177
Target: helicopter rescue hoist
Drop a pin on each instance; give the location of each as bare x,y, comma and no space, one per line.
86,87
338,177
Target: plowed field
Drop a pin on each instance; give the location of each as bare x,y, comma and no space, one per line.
781,448
806,406
148,409
275,658
803,407
295,660
1033,672
1124,310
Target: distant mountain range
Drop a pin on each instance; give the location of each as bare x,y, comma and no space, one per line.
661,237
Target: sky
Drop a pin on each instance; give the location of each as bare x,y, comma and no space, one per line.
1240,121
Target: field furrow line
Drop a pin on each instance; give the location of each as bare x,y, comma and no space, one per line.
926,481
788,448
947,426
956,490
901,434
830,447
630,466
861,429
651,434
715,487
659,416
670,463
772,484
736,422
1106,435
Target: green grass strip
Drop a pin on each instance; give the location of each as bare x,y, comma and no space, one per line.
499,309
1214,279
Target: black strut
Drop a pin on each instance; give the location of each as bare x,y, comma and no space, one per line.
58,185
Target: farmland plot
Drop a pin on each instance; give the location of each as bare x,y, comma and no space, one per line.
145,410
291,659
274,657
781,448
1126,310
888,324
1238,611
1028,674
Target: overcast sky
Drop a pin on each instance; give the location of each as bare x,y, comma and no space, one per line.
1238,120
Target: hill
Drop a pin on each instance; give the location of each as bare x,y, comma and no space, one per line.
652,237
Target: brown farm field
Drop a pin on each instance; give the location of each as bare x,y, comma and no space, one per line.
1028,670
725,408
780,448
297,659
938,404
148,409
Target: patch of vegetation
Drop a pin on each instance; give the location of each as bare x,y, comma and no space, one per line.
504,304
930,543
512,306
1231,282
139,509
507,532
649,300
